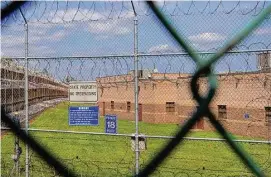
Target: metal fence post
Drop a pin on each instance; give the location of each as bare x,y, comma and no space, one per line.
17,149
26,100
26,93
12,97
136,93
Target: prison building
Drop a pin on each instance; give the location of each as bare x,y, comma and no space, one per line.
41,87
242,102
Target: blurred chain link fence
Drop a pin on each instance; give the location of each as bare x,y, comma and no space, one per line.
103,51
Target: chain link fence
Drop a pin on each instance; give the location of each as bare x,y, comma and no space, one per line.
105,50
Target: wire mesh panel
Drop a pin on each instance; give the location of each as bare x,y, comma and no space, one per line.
13,101
58,40
85,154
112,74
162,92
203,157
241,105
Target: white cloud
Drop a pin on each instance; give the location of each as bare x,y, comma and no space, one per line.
111,27
99,24
13,45
59,35
207,37
163,48
12,52
42,33
41,50
85,14
9,41
73,14
34,50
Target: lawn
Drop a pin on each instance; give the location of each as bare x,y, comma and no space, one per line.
100,155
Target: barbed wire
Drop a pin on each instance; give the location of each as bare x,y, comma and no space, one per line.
217,147
111,67
117,72
78,163
123,165
65,12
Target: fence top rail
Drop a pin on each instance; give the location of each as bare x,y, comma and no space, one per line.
140,55
142,135
210,139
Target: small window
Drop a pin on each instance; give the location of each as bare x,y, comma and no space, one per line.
222,112
267,114
170,106
140,74
128,106
112,105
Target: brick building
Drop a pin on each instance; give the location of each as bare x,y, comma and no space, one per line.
242,102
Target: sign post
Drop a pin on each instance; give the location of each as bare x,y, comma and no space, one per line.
111,124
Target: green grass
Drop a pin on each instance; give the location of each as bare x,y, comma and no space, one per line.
99,155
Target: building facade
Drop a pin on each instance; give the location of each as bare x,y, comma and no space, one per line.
242,102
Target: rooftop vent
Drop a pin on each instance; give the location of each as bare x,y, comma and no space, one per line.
264,61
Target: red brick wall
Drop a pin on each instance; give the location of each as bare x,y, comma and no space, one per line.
241,93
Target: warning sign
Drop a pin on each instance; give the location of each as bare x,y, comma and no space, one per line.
83,91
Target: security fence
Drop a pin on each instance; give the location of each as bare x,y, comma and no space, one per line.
170,103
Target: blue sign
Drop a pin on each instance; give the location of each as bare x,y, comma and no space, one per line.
111,124
83,115
246,116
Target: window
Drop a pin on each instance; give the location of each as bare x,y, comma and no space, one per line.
267,114
112,105
128,106
170,106
140,74
222,112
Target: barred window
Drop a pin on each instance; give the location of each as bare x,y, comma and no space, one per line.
112,105
267,114
222,112
128,106
170,106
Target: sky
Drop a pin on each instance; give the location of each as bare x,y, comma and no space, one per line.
61,29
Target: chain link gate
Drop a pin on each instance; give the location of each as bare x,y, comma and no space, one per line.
157,98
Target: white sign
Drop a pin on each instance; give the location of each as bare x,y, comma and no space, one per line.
83,91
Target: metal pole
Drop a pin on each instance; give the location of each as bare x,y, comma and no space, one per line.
12,110
136,93
17,146
12,101
6,81
16,157
26,100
